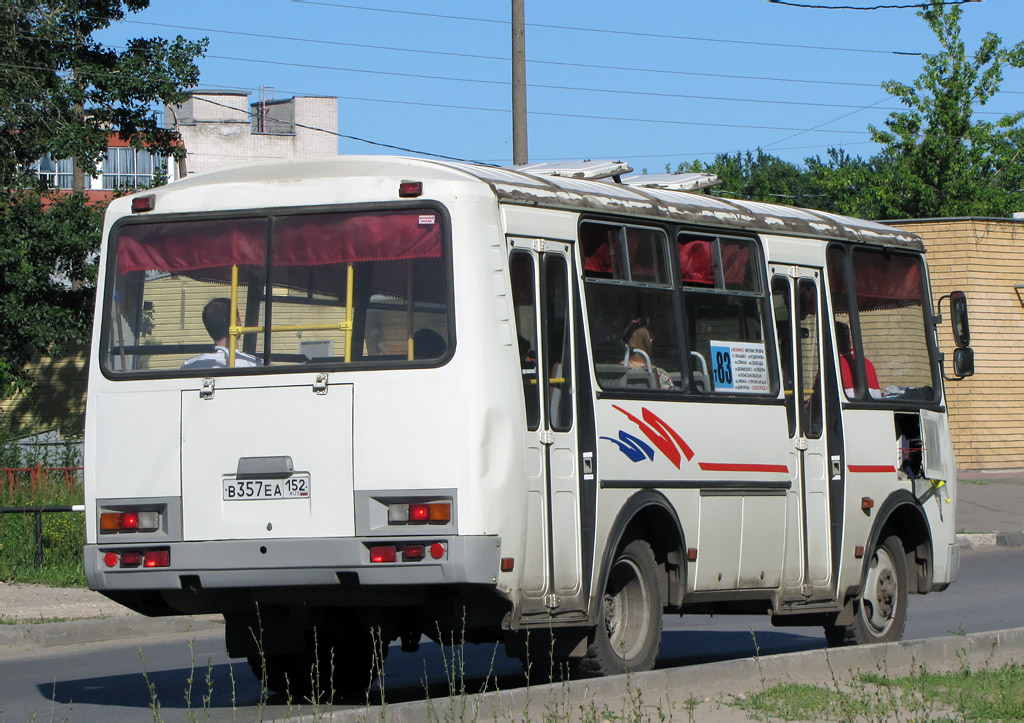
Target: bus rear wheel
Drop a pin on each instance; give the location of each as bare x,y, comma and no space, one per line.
881,609
342,664
628,632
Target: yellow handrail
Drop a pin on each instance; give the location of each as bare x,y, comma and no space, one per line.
233,316
234,330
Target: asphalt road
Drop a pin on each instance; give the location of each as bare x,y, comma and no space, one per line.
122,681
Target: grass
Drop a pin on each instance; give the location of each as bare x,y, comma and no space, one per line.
990,693
63,536
63,532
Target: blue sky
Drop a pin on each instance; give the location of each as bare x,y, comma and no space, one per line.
644,82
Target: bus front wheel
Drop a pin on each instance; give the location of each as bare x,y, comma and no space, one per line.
628,632
881,609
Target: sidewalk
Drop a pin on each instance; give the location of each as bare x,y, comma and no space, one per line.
990,508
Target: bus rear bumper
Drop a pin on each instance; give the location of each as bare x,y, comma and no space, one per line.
280,563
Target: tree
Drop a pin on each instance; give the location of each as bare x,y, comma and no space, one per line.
759,176
64,93
937,159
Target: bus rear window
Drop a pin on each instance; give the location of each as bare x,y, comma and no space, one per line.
198,296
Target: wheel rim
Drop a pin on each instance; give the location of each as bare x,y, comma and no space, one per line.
626,609
881,593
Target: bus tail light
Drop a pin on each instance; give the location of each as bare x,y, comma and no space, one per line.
437,550
156,558
414,552
130,521
137,558
383,553
419,513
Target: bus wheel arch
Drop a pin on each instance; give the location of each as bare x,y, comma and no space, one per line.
643,572
649,516
901,515
897,561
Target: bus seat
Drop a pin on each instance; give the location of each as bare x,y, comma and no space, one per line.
610,375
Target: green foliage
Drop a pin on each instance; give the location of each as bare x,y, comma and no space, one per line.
63,91
63,534
937,160
47,278
62,94
760,176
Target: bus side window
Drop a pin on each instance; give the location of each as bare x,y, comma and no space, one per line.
725,306
524,300
630,308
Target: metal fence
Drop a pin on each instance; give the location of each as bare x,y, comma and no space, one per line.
38,512
17,476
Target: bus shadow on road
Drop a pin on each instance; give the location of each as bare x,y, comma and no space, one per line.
432,673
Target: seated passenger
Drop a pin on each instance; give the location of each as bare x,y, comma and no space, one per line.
428,344
216,315
848,363
639,342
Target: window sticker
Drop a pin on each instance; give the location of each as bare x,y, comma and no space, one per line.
738,366
427,219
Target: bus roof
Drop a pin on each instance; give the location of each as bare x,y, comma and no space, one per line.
683,207
600,196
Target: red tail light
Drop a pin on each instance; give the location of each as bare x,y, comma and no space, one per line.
383,553
157,558
414,552
131,559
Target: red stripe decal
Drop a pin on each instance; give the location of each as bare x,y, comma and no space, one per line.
871,468
726,467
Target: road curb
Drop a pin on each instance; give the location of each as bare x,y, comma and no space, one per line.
95,630
974,540
655,687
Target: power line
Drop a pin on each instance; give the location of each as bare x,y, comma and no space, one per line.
352,138
630,33
821,125
505,83
873,7
471,56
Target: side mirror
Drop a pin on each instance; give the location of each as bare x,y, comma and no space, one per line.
963,361
958,317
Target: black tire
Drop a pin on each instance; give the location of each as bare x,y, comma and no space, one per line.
343,664
880,612
628,633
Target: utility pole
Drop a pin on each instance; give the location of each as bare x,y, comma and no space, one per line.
520,155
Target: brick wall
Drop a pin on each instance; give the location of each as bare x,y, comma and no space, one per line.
985,259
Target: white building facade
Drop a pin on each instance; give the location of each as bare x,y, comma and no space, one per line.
222,128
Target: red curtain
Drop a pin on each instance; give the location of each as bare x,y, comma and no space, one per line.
312,240
886,283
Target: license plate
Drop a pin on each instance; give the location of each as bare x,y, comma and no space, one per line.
294,487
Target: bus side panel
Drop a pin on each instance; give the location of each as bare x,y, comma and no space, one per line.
731,465
141,458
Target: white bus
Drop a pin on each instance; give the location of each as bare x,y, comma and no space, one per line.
369,396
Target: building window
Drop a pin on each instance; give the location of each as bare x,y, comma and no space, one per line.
131,168
56,173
